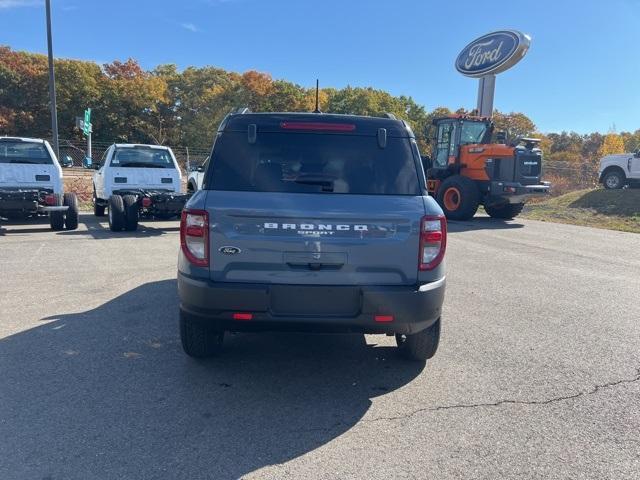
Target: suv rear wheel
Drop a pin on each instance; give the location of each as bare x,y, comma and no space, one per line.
459,197
420,346
506,211
198,339
116,213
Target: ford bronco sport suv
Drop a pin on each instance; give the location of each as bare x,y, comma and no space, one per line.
31,183
312,222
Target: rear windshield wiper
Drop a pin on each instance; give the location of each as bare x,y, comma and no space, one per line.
141,165
325,182
24,160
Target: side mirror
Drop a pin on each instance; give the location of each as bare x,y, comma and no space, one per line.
67,161
637,154
87,162
96,166
427,163
501,137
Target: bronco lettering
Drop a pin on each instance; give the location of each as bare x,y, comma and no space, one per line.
312,226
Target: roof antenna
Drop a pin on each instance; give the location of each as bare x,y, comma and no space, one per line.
317,110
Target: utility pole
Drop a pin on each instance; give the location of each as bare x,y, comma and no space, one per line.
52,84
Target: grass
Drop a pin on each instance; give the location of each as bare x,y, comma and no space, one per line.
599,208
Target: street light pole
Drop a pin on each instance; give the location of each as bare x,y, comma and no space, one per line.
52,84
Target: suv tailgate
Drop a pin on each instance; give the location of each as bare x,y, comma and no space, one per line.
284,238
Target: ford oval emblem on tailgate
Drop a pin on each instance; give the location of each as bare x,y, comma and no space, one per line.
229,250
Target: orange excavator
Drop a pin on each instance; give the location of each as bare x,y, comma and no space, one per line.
471,166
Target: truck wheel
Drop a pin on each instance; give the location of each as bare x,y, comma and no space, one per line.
56,219
506,212
71,215
613,180
199,340
130,213
98,210
459,197
116,213
420,346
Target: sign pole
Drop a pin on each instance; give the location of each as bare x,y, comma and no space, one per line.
89,146
486,92
52,84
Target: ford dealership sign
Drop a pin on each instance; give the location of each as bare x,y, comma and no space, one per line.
493,53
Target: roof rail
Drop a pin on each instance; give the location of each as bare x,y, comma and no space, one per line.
390,115
241,110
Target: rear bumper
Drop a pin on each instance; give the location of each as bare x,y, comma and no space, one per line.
513,192
413,308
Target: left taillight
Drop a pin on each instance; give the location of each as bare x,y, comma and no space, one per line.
433,241
194,236
50,200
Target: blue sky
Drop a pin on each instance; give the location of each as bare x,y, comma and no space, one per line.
582,72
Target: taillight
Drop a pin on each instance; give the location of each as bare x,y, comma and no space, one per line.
146,202
50,199
433,241
194,236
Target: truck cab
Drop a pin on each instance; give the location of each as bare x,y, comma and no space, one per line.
133,181
31,183
620,170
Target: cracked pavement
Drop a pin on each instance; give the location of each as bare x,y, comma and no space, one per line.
537,376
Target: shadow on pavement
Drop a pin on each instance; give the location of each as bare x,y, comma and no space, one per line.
25,225
482,223
98,228
109,393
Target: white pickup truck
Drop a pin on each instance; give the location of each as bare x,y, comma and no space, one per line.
196,177
620,170
31,183
137,180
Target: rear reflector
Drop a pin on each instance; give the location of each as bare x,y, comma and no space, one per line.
383,318
327,127
433,241
194,236
146,202
50,200
243,316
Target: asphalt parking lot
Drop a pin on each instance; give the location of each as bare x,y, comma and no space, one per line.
537,376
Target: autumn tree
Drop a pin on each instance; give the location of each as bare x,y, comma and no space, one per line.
611,144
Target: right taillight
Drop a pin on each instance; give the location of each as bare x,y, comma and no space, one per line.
433,241
194,236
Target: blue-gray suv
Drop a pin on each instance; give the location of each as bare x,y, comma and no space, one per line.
312,222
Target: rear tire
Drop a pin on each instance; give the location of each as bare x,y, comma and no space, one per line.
72,213
116,213
56,219
98,210
420,346
614,180
130,212
506,212
459,197
199,340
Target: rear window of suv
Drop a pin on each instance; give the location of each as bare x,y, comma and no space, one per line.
313,163
24,152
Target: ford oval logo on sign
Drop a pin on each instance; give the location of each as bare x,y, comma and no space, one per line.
493,53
